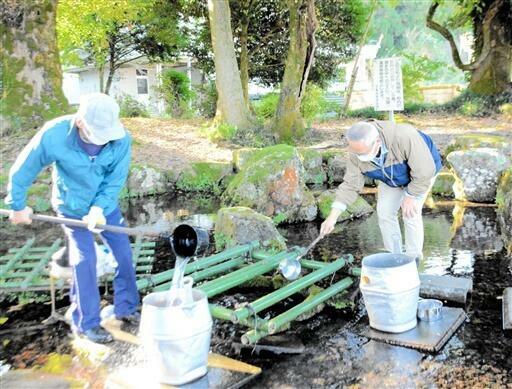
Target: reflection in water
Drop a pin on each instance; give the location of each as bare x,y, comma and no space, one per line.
449,248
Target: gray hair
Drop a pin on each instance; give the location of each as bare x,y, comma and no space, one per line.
362,132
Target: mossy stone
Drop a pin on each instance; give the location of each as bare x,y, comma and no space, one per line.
357,209
443,186
206,177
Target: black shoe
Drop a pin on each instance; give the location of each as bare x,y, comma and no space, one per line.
132,319
97,335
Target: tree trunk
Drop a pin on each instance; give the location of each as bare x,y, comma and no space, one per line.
31,75
244,61
289,123
111,63
493,75
491,67
231,106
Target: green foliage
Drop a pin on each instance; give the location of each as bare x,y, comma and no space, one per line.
202,177
365,113
340,25
279,219
416,70
219,132
313,104
129,107
472,104
176,92
205,102
106,35
405,31
267,106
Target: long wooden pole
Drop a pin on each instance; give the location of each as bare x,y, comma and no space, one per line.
354,71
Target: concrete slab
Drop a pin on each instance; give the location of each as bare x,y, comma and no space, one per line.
138,377
32,379
454,289
426,336
507,308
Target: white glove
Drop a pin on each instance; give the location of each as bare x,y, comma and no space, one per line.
94,217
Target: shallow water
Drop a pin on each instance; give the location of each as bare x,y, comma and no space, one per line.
458,241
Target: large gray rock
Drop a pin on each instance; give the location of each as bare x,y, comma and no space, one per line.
240,225
313,166
144,180
477,172
272,183
336,167
504,201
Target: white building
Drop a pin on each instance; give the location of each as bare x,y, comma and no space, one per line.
362,94
138,79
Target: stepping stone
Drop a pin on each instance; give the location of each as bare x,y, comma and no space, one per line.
454,289
507,308
426,336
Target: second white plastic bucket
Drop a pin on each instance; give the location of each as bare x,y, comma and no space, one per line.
390,286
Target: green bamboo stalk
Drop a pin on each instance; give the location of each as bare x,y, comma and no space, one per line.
206,273
226,282
42,263
223,313
15,258
200,264
286,291
355,271
251,337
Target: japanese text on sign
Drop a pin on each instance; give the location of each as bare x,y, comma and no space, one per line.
388,84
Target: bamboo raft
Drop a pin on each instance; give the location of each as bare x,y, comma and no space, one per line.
25,269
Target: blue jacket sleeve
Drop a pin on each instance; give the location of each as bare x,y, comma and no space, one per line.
115,178
35,156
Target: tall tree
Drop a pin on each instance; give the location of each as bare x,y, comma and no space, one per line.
232,108
31,75
107,35
491,68
303,23
262,26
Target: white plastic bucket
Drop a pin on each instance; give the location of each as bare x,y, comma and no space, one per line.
390,285
176,339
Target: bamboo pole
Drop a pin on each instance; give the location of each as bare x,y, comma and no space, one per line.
286,291
285,318
200,264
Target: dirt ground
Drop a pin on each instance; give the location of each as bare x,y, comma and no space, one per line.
173,144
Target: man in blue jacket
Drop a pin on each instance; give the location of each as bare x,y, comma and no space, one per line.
90,155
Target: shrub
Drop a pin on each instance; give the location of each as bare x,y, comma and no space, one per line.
366,113
472,104
175,91
267,106
130,108
205,102
313,104
217,132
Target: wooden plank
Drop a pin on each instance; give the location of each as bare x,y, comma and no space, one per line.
16,257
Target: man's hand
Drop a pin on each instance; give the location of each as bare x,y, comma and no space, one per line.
328,225
21,217
409,207
94,217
